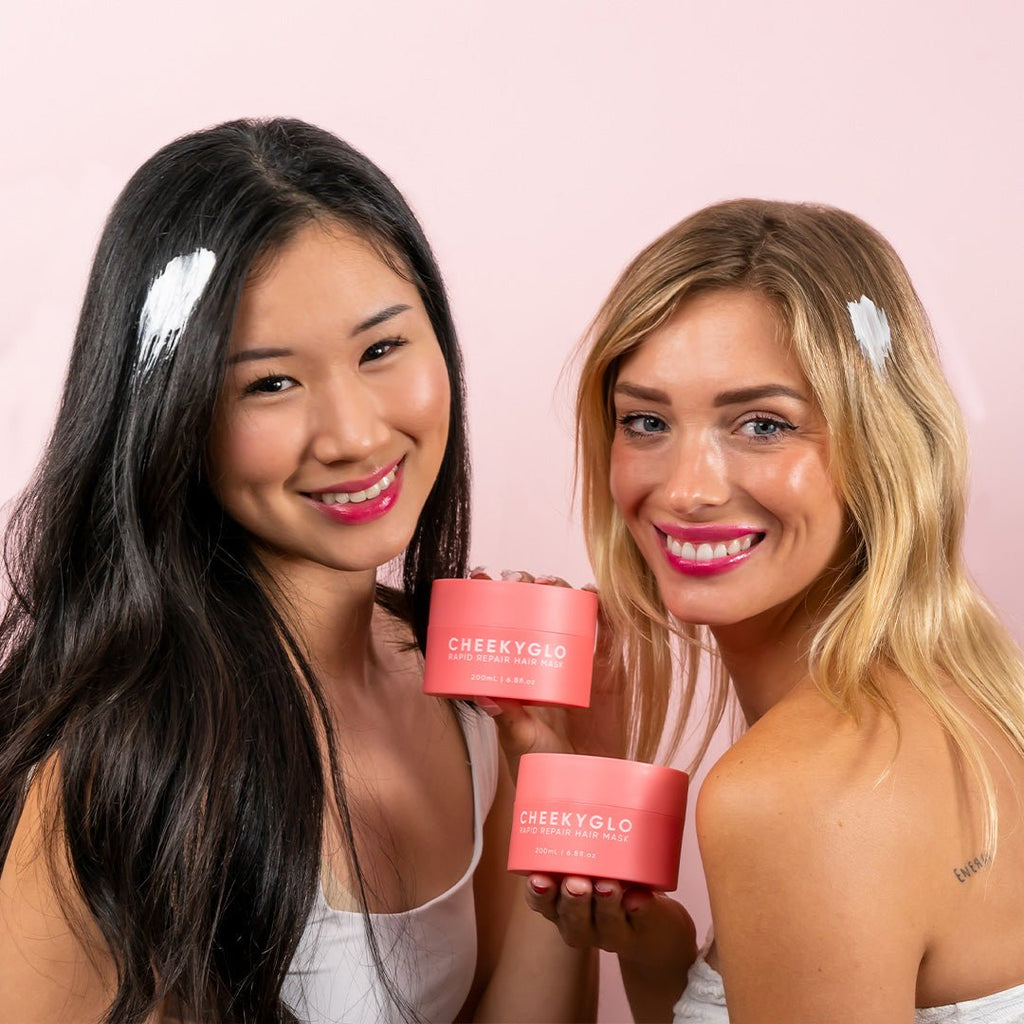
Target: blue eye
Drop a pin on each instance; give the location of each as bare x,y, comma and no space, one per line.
642,424
766,428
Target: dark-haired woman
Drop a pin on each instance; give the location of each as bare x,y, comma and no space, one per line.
224,794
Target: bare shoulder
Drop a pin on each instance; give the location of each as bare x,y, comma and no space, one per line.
813,772
812,831
49,969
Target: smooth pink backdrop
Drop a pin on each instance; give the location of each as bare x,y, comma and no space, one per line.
543,143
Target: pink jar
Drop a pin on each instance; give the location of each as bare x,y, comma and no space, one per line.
601,817
529,642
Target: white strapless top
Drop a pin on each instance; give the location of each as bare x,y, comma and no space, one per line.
703,1002
429,951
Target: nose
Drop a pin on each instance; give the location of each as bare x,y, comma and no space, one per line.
346,422
699,477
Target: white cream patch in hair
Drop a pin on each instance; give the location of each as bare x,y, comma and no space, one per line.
871,327
171,299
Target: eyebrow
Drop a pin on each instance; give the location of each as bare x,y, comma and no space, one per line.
379,318
736,397
644,394
741,395
251,354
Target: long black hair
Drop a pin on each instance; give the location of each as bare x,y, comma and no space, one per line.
139,650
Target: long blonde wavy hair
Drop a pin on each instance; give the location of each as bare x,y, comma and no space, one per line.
898,457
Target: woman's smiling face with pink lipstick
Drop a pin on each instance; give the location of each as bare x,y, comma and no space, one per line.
719,465
333,418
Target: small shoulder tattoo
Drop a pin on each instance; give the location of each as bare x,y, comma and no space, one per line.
965,872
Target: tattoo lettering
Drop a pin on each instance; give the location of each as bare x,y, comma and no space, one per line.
972,867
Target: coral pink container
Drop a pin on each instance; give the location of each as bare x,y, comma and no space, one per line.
598,816
530,642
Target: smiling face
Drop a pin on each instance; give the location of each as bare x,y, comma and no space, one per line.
333,418
719,464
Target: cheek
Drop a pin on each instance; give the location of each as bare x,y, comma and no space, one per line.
630,478
802,489
423,403
244,450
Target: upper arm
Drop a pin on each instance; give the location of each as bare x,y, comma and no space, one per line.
494,889
808,879
49,970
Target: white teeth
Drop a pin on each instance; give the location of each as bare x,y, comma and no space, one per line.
708,552
344,497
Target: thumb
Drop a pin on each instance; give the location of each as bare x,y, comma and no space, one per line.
519,732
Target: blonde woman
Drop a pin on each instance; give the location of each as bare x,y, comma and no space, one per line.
773,472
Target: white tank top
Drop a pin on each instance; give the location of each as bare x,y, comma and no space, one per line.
703,1002
430,951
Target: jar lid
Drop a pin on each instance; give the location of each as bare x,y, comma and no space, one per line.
538,606
610,781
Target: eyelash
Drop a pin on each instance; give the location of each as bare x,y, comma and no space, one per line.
263,385
391,343
260,385
782,426
625,422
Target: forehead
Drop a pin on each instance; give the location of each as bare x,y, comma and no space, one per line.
731,338
325,274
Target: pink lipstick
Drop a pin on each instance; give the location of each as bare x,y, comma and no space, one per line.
707,549
362,500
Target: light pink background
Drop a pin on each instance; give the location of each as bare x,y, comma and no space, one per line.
542,144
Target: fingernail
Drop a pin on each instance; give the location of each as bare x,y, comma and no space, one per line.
488,706
479,570
511,577
539,887
603,888
545,578
575,887
634,900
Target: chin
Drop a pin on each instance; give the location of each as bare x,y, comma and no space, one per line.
704,619
704,613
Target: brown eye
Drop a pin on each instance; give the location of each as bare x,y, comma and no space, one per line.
272,385
379,349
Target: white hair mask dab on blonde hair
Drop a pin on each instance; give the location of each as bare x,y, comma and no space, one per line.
871,327
169,304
